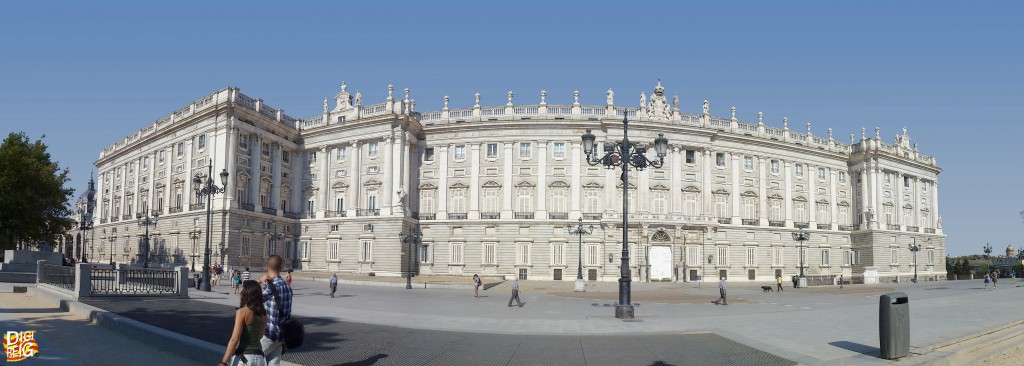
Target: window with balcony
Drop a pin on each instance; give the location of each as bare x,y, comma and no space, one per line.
690,205
659,202
458,200
523,254
559,200
524,200
799,211
492,151
490,204
721,206
427,201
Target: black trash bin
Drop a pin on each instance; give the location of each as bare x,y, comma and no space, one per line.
894,325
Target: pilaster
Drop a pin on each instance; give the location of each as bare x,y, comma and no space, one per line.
474,181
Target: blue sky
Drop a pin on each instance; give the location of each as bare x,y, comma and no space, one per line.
88,74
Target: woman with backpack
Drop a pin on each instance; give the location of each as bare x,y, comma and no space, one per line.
244,347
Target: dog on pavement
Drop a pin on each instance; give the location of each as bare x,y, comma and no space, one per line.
767,289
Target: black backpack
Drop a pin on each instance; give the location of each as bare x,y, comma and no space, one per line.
292,331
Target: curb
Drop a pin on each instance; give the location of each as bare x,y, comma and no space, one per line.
194,349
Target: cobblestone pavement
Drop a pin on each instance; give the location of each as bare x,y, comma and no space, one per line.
333,342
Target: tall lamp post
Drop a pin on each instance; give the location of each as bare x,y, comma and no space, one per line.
411,239
86,226
624,154
581,286
914,248
146,220
801,236
113,237
207,189
194,235
988,250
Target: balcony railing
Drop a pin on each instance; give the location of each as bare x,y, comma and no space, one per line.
174,210
913,229
724,220
414,215
524,215
368,212
292,215
196,206
457,215
490,215
247,206
309,215
662,217
558,215
751,222
824,226
801,225
341,213
773,223
892,226
270,211
428,216
126,217
103,220
929,230
592,216
846,227
115,219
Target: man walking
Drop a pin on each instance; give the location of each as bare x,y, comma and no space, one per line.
334,283
247,276
515,293
277,299
778,281
840,281
721,291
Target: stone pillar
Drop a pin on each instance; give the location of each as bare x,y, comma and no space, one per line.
169,189
934,219
506,208
788,204
915,213
275,176
325,181
183,281
39,269
83,280
762,191
389,186
442,189
542,184
255,149
898,191
474,181
865,203
575,177
833,197
231,160
812,203
707,206
736,172
354,155
676,167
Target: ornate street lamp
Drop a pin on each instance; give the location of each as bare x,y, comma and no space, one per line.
914,248
207,189
624,154
113,237
146,220
988,250
194,235
85,225
802,236
581,286
411,239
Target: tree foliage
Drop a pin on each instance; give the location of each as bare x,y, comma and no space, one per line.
33,200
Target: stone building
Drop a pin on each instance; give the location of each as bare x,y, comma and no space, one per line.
493,189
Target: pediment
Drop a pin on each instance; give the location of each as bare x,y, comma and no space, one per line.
822,201
908,206
371,182
310,188
659,187
159,185
887,204
266,180
559,184
491,184
525,184
178,180
775,196
749,194
427,186
720,191
593,185
631,185
691,189
800,199
243,174
338,185
844,204
458,185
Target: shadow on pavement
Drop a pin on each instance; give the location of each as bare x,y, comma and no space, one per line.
857,347
487,286
366,362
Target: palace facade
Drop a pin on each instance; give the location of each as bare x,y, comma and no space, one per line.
384,189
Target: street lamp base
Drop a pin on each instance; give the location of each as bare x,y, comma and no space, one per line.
581,285
624,312
801,282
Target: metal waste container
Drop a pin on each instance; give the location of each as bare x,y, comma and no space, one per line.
894,325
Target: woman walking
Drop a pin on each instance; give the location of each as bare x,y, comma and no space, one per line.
986,281
476,285
244,347
235,282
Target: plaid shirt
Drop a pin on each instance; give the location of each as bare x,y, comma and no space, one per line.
284,291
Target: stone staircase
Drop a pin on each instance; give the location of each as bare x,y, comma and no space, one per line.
20,266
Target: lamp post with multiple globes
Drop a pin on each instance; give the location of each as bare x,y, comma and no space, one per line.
207,190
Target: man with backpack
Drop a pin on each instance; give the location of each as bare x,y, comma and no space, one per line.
277,299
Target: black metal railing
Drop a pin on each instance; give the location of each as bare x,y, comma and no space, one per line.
929,230
558,215
824,226
846,227
414,215
60,276
428,216
309,215
773,223
751,222
368,212
196,206
724,220
115,219
270,211
592,216
174,210
336,214
126,217
892,226
103,220
913,229
246,206
133,281
490,215
292,215
457,215
801,225
524,215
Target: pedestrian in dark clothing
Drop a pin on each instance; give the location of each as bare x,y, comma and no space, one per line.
721,291
334,283
515,293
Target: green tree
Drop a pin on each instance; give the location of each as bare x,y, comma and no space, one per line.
33,200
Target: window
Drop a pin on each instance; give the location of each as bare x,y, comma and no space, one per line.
720,159
693,256
202,142
523,254
893,256
888,178
243,141
593,255
456,253
525,201
285,156
723,256
591,201
775,167
339,204
181,149
428,154
847,258
751,256
659,202
371,200
559,150
776,210
557,254
373,148
931,256
906,182
425,255
304,250
889,216
824,258
145,162
799,170
490,200
524,150
821,173
244,250
341,153
160,155
800,211
373,169
427,201
492,151
750,208
748,162
523,273
777,256
366,250
312,156
691,156
310,206
721,206
334,228
460,152
822,215
458,201
842,177
844,215
490,253
559,200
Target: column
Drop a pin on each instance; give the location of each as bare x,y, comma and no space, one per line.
474,181
506,208
875,188
388,187
675,193
865,203
707,207
812,194
298,173
325,180
575,177
230,161
255,149
898,191
788,204
98,213
442,189
168,181
151,193
934,220
915,213
354,154
409,169
762,191
275,176
401,174
736,172
189,173
542,185
833,197
643,190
